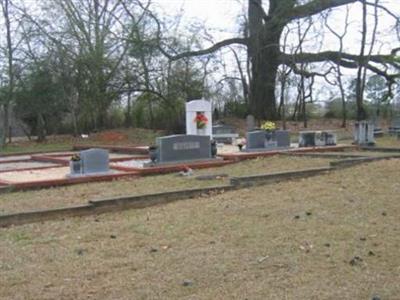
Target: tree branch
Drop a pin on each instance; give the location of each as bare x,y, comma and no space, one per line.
213,48
346,60
315,7
335,56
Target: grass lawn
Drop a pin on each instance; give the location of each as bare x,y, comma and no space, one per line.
335,236
78,194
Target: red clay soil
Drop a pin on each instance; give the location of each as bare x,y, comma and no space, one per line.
112,136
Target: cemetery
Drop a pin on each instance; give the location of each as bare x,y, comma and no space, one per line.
310,180
177,153
196,149
200,149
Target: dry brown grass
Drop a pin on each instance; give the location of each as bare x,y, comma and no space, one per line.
78,194
246,244
388,141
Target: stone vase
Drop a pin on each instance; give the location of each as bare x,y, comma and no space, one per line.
201,131
268,135
153,153
75,167
214,149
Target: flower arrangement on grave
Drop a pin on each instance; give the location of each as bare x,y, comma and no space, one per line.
75,164
75,157
268,125
200,120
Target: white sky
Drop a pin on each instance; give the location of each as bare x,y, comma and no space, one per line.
221,19
220,16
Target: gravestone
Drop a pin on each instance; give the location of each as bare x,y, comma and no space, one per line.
259,140
282,138
94,161
255,139
363,133
250,123
395,126
307,139
193,109
175,148
377,128
330,138
222,129
317,138
320,138
224,134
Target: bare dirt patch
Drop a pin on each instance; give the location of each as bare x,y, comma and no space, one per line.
334,236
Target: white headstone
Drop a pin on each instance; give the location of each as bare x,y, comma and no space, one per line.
195,108
363,133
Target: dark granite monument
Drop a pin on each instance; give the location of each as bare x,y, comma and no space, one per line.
178,148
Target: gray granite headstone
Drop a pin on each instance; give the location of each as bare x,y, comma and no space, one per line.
222,129
255,139
395,126
307,139
250,123
317,138
330,138
396,122
282,138
94,161
224,134
175,148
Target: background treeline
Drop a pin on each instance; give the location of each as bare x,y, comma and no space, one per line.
79,66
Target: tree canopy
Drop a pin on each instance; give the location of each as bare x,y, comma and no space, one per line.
266,24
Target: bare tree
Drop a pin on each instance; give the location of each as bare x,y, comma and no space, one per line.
5,6
338,68
263,46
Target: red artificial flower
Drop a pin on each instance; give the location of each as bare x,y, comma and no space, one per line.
201,120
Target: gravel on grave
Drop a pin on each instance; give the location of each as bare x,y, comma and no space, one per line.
25,165
134,163
226,148
40,175
14,157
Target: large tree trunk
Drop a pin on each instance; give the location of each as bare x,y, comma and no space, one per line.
262,95
263,50
10,60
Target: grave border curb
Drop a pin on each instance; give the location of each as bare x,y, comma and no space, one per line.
345,163
263,179
107,205
380,149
